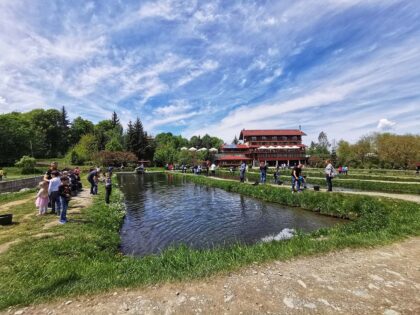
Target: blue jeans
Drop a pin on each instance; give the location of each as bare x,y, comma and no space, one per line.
64,206
263,176
242,176
295,182
55,201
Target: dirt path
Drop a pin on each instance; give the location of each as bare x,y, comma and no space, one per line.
383,280
12,204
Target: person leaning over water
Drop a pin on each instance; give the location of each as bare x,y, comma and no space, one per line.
90,178
329,174
296,181
263,172
108,187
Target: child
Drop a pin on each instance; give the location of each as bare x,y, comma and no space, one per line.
65,194
54,184
108,187
42,198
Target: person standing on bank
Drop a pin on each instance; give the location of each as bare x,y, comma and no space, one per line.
108,187
242,171
91,180
329,174
53,192
53,167
296,173
263,172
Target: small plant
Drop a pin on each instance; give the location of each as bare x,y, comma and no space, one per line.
27,164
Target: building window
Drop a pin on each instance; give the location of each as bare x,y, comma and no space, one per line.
284,138
254,138
264,138
294,138
274,137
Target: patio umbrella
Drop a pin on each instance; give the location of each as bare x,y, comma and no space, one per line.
192,149
202,149
213,150
184,149
262,148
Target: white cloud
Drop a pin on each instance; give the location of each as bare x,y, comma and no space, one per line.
385,124
177,107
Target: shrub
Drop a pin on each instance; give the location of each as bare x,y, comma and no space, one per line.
27,164
108,158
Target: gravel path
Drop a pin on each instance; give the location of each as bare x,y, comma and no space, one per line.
384,280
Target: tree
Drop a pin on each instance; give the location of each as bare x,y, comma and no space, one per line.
103,131
115,121
235,140
165,154
80,127
323,143
27,164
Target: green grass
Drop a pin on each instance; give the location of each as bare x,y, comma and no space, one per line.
8,197
13,173
86,258
389,187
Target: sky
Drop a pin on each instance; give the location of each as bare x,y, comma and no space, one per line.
345,67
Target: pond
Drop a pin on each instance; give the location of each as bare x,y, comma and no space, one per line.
165,210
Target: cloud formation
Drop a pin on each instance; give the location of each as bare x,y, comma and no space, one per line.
196,67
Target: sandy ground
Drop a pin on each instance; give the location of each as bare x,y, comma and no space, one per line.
384,280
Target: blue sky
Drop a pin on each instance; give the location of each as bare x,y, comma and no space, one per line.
346,67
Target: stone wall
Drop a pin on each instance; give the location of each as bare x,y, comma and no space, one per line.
18,184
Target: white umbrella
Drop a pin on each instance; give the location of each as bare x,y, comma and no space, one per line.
202,149
184,149
213,150
287,147
295,147
192,149
279,147
271,147
262,148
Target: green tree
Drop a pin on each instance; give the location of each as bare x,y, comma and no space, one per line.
27,164
165,154
80,127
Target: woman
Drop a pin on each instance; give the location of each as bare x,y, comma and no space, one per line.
329,174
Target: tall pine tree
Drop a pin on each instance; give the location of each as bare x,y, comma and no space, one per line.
115,120
63,124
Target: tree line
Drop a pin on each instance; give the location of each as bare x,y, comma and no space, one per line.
376,150
49,133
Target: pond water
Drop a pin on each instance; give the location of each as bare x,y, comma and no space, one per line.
165,210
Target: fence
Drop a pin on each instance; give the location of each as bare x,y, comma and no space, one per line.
18,184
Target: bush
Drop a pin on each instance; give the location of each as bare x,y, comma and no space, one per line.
27,164
108,158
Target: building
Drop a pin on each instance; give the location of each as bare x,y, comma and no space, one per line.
274,147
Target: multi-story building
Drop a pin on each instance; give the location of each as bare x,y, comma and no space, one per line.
274,147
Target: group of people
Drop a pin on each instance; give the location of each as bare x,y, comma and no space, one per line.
56,190
343,169
58,187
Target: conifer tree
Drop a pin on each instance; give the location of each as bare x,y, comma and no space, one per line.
114,119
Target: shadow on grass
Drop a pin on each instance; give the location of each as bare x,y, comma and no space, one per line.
59,284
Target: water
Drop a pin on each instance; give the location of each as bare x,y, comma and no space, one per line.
163,210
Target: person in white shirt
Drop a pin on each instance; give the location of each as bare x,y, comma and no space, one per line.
329,174
213,169
53,193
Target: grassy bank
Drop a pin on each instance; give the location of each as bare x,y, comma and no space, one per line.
390,187
12,196
85,258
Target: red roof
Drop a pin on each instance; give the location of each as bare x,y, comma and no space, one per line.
271,132
234,158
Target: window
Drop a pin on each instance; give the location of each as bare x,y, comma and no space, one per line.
254,138
264,138
274,137
294,138
284,138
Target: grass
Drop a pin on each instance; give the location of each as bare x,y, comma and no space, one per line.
8,197
85,258
363,185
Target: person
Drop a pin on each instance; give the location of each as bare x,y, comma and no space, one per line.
329,174
110,169
96,181
90,177
108,187
296,177
263,172
140,169
417,170
340,169
213,169
41,201
53,167
1,173
53,193
277,175
76,173
65,195
345,170
242,171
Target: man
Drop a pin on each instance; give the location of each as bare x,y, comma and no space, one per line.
263,172
297,170
1,174
242,171
90,178
53,167
213,169
329,174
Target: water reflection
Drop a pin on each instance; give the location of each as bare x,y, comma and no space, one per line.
164,210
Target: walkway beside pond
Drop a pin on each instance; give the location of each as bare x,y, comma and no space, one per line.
383,280
413,198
